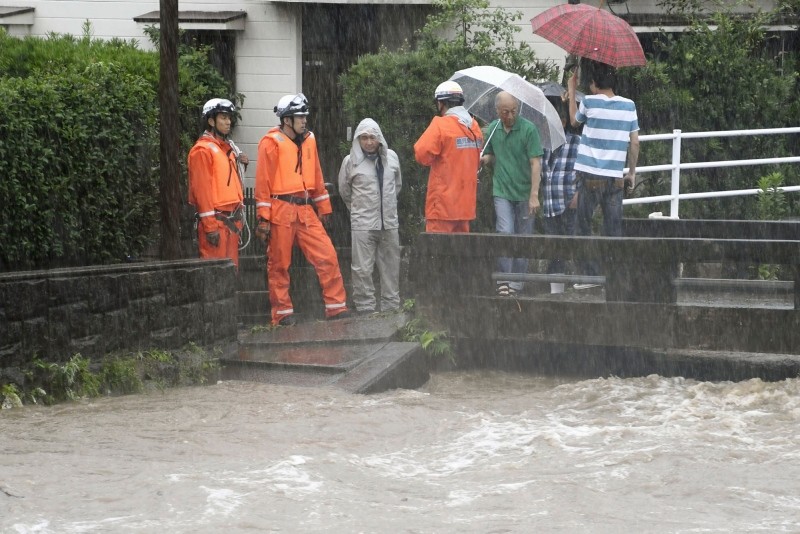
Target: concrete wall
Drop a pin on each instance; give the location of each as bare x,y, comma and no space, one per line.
95,310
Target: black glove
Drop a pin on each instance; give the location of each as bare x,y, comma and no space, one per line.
213,238
262,230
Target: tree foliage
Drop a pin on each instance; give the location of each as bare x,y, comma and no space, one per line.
396,88
79,146
725,72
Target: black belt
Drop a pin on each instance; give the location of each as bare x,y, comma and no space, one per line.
301,201
230,218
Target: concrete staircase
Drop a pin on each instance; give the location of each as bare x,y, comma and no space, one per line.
357,354
251,294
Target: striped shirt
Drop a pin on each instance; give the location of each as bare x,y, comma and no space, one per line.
606,135
558,176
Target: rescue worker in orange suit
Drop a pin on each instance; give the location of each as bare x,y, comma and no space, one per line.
215,184
451,147
291,201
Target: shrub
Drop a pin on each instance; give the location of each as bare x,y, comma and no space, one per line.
77,163
79,146
721,74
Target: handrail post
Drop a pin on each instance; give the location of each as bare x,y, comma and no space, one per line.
676,174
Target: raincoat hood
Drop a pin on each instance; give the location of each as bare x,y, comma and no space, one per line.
368,126
462,114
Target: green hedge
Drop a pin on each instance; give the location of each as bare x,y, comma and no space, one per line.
79,147
723,73
77,167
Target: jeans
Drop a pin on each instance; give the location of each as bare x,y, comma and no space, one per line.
609,196
562,224
512,218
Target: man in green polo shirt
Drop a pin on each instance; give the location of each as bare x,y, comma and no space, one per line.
515,151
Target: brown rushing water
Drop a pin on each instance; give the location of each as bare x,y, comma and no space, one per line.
470,452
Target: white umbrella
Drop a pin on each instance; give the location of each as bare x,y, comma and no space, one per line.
481,85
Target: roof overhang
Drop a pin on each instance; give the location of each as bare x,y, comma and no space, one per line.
657,22
200,20
16,15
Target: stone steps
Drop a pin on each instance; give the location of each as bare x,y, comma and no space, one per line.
357,354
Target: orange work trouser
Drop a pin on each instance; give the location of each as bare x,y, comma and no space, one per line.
228,246
438,226
307,231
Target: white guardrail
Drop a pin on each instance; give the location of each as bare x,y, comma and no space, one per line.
676,166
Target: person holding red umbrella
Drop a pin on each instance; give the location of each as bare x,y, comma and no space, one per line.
610,133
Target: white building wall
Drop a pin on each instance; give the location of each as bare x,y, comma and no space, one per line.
268,66
543,49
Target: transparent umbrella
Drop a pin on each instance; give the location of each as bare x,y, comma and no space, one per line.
481,85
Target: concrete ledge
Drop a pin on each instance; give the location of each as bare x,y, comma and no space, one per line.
397,365
586,361
327,358
586,319
352,330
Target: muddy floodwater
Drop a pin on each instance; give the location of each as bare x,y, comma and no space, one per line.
470,452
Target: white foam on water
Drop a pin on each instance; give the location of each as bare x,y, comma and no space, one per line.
663,411
461,497
777,499
221,501
286,477
75,527
491,440
41,526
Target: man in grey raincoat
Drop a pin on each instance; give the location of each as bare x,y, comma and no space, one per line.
369,184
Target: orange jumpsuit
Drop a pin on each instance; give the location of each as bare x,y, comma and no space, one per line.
215,190
452,151
285,170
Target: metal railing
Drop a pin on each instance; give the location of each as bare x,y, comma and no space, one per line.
676,166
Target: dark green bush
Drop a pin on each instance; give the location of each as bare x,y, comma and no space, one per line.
79,147
76,161
721,74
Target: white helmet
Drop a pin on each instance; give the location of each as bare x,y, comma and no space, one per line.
450,92
290,105
217,105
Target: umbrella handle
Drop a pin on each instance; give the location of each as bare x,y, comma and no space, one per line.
490,138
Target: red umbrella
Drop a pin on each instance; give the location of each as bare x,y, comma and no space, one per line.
590,32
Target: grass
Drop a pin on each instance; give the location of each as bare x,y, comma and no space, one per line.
48,383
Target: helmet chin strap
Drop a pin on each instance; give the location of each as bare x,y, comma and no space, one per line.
216,132
294,130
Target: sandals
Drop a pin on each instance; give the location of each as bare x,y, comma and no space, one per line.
503,290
